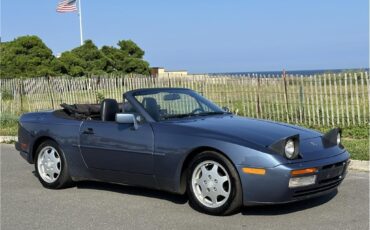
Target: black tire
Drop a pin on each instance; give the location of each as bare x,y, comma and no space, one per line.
234,202
64,180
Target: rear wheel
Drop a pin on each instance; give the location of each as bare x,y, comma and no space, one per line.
51,166
213,184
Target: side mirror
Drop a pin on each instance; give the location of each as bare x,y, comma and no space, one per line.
126,118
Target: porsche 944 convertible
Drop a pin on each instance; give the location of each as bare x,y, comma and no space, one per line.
174,139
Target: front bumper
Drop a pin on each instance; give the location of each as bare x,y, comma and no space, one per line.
272,188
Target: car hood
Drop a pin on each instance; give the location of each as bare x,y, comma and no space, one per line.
260,132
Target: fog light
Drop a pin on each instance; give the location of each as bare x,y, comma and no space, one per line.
302,181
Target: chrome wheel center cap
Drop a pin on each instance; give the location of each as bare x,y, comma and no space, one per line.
210,184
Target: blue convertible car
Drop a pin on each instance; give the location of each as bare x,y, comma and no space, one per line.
174,139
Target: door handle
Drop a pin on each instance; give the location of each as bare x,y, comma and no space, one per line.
88,131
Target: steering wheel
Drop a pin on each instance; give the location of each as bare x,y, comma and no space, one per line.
197,110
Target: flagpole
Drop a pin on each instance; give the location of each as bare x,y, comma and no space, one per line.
80,15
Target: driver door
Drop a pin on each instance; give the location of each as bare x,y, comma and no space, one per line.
107,145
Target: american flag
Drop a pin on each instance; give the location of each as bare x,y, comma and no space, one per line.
66,6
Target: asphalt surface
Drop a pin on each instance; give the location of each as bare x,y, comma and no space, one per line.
25,204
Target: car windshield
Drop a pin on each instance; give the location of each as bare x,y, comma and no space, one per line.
165,104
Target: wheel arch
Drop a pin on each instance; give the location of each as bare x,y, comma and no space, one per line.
37,143
188,159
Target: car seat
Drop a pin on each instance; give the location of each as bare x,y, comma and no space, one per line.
151,106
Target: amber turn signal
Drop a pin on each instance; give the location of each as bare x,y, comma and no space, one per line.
303,171
257,171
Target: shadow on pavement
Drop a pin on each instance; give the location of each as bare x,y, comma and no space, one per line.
280,209
262,210
138,191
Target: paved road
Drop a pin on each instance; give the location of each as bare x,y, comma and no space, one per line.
91,205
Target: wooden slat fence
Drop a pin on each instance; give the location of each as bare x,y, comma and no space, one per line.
324,100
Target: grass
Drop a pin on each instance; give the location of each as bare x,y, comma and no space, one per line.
355,139
8,125
358,148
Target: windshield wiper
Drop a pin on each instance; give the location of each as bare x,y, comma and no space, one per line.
212,113
193,115
177,116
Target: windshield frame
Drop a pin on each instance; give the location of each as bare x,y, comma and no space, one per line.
132,95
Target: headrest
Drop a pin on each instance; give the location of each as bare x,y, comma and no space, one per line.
108,110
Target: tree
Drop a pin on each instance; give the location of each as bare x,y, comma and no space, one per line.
131,49
71,64
127,58
89,60
26,56
84,60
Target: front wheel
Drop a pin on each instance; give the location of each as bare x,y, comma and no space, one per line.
213,184
51,166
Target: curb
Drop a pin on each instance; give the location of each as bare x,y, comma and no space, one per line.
354,165
359,165
5,139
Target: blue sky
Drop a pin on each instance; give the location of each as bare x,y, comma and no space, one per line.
208,35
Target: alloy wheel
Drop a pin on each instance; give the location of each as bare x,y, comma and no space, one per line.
49,164
211,184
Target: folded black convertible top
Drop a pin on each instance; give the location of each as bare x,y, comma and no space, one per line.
82,111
